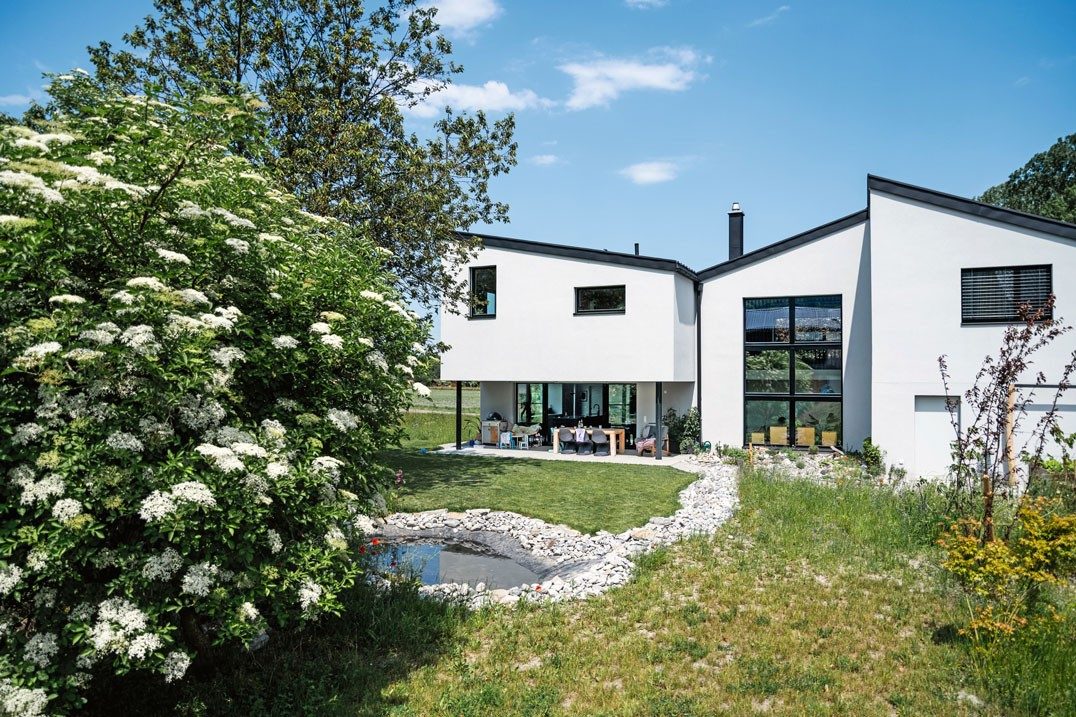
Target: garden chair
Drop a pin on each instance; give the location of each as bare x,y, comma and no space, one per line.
650,444
779,435
829,438
601,442
504,440
566,437
805,436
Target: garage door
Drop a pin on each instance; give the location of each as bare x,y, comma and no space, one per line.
933,437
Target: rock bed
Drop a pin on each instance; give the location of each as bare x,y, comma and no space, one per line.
580,565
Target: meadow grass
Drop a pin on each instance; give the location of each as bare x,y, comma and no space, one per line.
811,600
432,430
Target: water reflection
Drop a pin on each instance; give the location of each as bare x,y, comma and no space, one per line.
450,562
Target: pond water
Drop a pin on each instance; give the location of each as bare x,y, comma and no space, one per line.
454,562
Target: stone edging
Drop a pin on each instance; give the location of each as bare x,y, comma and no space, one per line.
572,565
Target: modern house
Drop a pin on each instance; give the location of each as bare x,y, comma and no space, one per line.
824,338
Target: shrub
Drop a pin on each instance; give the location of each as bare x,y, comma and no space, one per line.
684,431
1005,578
873,457
197,377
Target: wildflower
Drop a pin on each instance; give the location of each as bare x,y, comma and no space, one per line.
399,476
163,566
284,342
320,327
65,509
227,355
421,389
309,594
26,433
66,299
146,282
174,257
40,649
102,338
199,579
120,441
156,506
336,342
342,421
9,578
143,646
275,542
192,296
193,492
175,666
237,245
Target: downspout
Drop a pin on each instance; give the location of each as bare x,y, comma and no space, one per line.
698,353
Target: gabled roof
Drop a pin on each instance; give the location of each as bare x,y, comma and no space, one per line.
970,206
577,252
784,245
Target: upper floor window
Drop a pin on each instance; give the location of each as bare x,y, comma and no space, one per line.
996,294
599,300
484,291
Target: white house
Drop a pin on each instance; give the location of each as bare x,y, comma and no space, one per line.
824,338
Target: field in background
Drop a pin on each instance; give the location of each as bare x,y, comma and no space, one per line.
444,399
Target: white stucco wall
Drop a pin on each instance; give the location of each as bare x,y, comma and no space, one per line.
535,337
917,252
835,264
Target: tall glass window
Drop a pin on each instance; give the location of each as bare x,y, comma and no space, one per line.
621,404
484,291
793,354
528,403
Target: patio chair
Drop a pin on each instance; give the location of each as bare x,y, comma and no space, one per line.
650,443
829,438
566,438
779,435
805,436
583,447
758,438
504,440
601,442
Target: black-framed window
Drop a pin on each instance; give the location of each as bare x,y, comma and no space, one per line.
529,403
484,292
793,389
600,299
996,294
568,404
622,404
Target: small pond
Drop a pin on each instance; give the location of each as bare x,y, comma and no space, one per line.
440,561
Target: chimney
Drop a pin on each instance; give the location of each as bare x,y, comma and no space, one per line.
735,231
636,248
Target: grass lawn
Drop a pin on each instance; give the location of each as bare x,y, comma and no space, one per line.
587,496
432,430
444,399
812,600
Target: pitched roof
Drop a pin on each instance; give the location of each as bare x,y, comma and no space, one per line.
784,245
577,252
970,206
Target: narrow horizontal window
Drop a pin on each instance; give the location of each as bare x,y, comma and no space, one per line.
599,300
999,294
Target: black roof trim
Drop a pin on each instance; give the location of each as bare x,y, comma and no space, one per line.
970,206
576,252
784,245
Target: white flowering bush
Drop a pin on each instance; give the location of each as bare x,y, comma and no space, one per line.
195,379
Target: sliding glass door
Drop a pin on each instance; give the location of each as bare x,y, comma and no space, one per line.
568,404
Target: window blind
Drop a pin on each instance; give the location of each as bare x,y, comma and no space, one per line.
995,294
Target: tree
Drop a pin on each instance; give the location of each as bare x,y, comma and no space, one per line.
197,377
1046,185
336,80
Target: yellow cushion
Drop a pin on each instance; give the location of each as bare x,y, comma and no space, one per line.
779,435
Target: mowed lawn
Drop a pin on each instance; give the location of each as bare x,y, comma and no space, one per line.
812,600
586,496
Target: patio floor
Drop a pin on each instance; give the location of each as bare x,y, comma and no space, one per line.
546,453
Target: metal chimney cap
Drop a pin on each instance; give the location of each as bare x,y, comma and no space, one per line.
735,207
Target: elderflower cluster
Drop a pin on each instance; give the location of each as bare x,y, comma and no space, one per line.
421,389
334,341
199,579
65,509
225,356
285,342
26,433
66,299
9,578
120,441
174,257
341,420
40,649
175,666
276,544
162,566
119,622
225,459
309,595
327,465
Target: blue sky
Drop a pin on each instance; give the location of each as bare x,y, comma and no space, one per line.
642,120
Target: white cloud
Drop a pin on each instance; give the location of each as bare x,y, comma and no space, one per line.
545,160
15,100
599,82
646,4
464,16
492,96
650,172
1022,81
757,22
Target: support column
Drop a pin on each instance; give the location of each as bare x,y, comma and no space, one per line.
459,415
658,443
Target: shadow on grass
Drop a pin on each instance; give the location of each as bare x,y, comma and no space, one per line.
341,666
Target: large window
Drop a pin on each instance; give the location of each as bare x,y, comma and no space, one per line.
792,371
483,292
599,300
621,404
529,403
568,404
995,295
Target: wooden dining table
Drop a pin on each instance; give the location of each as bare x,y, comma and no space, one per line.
618,442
